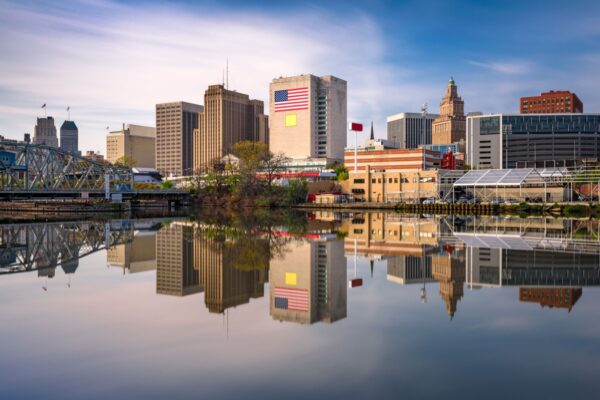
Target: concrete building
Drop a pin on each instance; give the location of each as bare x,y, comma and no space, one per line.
176,272
309,284
69,137
94,156
552,102
44,132
449,126
308,117
409,130
175,124
136,142
229,117
520,140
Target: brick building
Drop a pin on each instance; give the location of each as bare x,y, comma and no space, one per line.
554,101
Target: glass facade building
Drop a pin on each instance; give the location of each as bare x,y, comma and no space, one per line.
519,140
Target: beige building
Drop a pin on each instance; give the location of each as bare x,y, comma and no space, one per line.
44,132
309,284
175,124
308,117
450,126
133,141
405,186
228,117
139,255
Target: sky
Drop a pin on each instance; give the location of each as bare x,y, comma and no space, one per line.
112,61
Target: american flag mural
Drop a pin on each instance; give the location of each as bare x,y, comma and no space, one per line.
291,99
291,299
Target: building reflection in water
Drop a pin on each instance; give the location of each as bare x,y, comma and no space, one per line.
139,255
550,259
233,270
308,285
176,272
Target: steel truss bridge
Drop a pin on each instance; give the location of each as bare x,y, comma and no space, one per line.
38,246
39,171
34,167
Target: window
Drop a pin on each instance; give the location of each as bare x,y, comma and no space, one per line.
378,180
359,180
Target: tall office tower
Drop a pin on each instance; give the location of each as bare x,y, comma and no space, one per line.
176,274
229,117
309,284
554,101
45,132
69,137
308,117
226,280
409,130
450,126
134,141
175,124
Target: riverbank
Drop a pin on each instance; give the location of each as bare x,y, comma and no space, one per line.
78,209
575,209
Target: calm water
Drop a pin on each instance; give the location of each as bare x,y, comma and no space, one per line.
276,306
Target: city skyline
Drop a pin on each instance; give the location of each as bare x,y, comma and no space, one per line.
390,67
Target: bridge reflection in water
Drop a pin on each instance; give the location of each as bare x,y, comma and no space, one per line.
549,260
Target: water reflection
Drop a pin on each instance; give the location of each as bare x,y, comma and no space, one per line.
310,260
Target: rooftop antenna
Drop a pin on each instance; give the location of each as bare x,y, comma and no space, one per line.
227,75
69,112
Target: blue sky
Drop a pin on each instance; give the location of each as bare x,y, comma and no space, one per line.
113,61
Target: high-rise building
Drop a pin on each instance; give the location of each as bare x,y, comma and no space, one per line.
45,132
309,285
554,101
308,117
521,140
450,126
69,137
229,117
176,272
409,130
135,142
175,124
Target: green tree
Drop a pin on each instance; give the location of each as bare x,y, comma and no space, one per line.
251,155
341,172
125,161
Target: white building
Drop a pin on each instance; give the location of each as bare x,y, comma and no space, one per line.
409,130
308,116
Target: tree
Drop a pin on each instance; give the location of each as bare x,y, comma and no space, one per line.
251,155
272,166
341,172
125,162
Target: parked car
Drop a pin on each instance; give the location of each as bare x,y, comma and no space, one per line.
511,201
497,201
429,200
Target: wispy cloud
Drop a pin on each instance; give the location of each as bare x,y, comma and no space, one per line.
112,63
512,68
